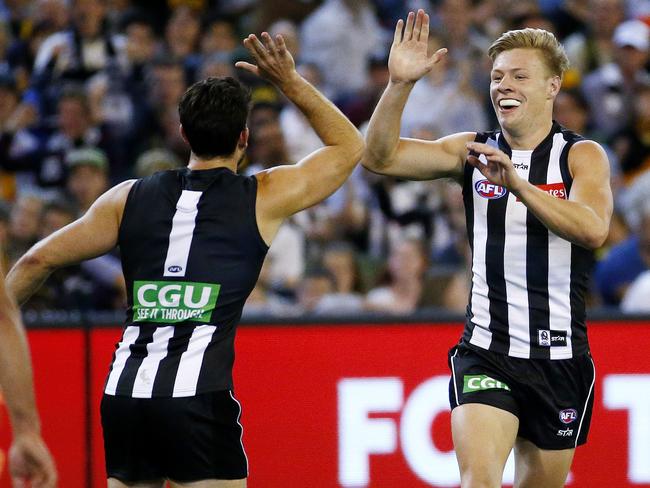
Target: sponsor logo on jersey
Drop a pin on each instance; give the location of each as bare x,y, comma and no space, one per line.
565,433
478,382
175,269
490,190
548,338
568,415
173,301
557,190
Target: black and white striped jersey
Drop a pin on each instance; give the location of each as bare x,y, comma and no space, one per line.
191,254
528,284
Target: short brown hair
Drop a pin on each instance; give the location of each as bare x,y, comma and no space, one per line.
552,51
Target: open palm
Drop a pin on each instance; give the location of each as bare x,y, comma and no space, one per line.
408,61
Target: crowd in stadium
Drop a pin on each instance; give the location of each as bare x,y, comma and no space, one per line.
88,98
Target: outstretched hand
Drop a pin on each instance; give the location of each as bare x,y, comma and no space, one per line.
498,168
30,463
274,61
408,60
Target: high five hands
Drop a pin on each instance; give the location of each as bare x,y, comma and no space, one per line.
408,60
274,61
498,168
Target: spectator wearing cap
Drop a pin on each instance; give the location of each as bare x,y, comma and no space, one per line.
87,175
610,90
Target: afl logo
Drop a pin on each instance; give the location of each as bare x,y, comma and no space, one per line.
569,415
490,190
175,269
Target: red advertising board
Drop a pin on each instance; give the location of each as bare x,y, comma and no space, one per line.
348,405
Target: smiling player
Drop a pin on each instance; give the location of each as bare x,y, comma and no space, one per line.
537,202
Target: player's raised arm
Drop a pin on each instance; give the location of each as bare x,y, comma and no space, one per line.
92,235
285,190
387,153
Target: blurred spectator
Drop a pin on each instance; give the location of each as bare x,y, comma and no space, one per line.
591,49
263,301
219,36
182,36
635,299
632,144
625,262
74,129
314,286
403,290
24,223
358,106
154,160
340,259
339,37
88,176
610,89
286,259
77,53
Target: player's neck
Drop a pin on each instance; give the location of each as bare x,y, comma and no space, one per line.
229,162
529,136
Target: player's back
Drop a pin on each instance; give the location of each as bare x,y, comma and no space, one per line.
191,254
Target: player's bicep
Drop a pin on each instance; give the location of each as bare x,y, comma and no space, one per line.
93,234
285,190
589,166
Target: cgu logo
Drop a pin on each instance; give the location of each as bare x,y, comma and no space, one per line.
490,190
173,301
569,415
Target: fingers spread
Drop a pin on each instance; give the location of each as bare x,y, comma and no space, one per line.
436,57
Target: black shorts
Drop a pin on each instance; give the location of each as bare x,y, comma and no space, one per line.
553,398
180,439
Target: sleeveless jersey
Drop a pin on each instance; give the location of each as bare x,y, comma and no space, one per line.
528,284
191,255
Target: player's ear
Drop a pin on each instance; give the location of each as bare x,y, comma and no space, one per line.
242,143
182,131
554,85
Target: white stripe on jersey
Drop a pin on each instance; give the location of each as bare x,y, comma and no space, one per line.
156,351
189,367
122,353
481,336
180,237
514,269
559,267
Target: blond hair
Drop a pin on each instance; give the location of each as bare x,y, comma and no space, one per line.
552,51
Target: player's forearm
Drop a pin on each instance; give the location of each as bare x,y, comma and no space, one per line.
27,275
573,221
382,137
16,372
333,128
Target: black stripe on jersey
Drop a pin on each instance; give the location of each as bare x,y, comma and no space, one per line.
581,262
138,352
468,200
537,255
494,267
163,385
